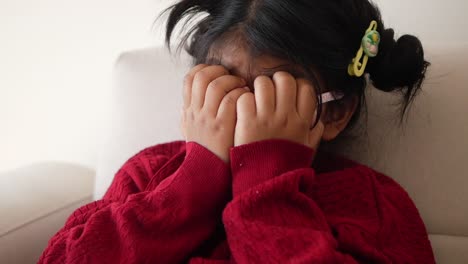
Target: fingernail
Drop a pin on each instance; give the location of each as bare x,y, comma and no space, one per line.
247,88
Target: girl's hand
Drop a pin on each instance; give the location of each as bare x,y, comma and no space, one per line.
282,108
209,111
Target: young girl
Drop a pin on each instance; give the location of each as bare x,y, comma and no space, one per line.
273,79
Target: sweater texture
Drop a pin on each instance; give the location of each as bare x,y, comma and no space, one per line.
274,203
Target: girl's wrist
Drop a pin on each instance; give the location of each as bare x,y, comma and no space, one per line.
256,162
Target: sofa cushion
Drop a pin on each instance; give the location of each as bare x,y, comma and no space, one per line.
35,201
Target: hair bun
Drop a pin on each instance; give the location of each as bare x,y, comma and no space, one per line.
399,64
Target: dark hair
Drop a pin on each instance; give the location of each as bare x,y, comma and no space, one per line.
323,34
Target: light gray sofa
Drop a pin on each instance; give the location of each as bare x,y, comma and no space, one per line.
35,201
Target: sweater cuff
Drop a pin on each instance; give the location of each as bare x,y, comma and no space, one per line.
254,163
202,180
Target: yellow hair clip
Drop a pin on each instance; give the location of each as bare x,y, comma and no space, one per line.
369,48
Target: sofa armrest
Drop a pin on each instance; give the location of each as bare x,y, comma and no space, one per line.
35,202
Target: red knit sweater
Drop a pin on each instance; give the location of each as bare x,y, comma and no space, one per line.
178,202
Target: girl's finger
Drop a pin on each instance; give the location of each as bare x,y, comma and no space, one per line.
201,81
188,81
218,89
227,107
286,91
246,106
264,95
306,100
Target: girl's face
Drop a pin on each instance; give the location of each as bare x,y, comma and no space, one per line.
239,62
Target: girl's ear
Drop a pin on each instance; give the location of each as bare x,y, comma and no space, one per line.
337,116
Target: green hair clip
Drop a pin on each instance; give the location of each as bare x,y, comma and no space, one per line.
369,48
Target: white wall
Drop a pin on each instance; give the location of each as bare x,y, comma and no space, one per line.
434,21
56,57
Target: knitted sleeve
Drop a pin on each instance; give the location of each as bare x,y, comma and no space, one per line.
159,223
403,235
277,217
270,219
135,175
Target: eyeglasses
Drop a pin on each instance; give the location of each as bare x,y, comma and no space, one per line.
330,96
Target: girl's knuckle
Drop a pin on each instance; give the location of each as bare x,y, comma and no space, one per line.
262,122
280,74
230,99
203,120
190,115
302,124
221,68
282,120
214,85
262,82
200,76
241,101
